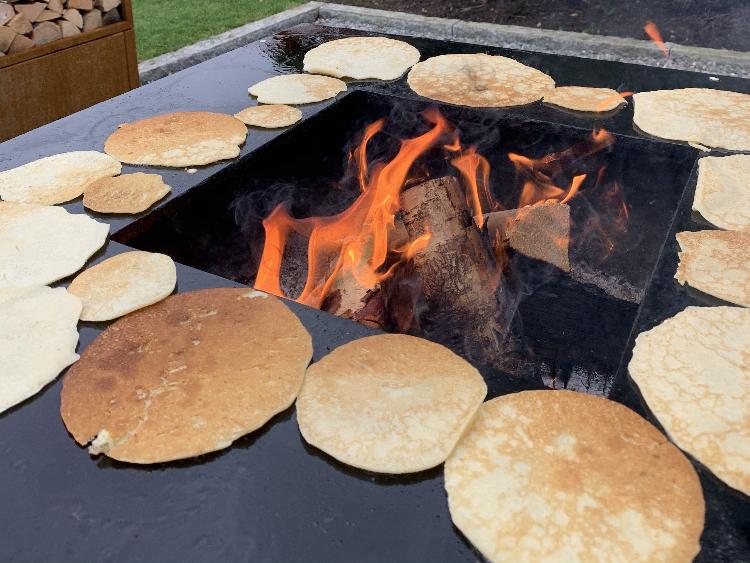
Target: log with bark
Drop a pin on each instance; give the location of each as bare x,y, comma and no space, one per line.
540,231
457,269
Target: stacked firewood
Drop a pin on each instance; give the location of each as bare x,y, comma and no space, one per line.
25,24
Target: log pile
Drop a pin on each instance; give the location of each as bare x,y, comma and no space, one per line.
25,23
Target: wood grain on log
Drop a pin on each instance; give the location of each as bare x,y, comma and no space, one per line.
457,268
80,4
20,24
107,5
31,11
47,15
540,231
6,13
92,20
68,29
55,5
20,43
73,16
7,35
45,32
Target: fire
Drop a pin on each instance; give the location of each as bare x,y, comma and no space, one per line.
539,175
475,171
354,243
655,35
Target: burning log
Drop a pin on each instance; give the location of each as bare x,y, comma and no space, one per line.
540,231
458,272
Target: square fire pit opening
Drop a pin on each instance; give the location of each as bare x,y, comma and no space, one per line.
552,325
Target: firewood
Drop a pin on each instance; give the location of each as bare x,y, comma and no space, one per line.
31,11
68,29
92,20
6,13
540,231
20,24
73,16
55,5
80,4
47,15
107,5
457,269
113,16
20,43
46,32
7,35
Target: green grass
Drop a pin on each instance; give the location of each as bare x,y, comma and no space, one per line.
162,26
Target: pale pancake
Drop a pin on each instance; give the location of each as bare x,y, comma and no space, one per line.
722,195
565,476
187,376
582,98
693,370
716,262
296,89
362,57
38,337
178,139
129,193
270,116
57,178
715,118
123,284
479,80
40,244
389,403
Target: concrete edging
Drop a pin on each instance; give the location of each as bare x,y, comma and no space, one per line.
701,59
168,63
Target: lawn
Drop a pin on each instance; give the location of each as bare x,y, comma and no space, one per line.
162,26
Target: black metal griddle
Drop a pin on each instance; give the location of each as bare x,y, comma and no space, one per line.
270,497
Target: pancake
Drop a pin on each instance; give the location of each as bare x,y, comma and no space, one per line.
41,244
581,98
187,376
693,370
123,284
361,58
566,476
178,139
722,195
389,403
129,193
270,116
716,262
56,179
296,89
714,118
479,80
38,337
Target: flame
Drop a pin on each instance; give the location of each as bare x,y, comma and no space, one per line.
475,171
653,33
538,175
620,95
354,243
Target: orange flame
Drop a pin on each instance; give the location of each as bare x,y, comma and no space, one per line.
475,171
355,242
620,95
653,33
538,174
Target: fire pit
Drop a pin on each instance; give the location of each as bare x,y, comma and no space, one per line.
613,196
548,327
